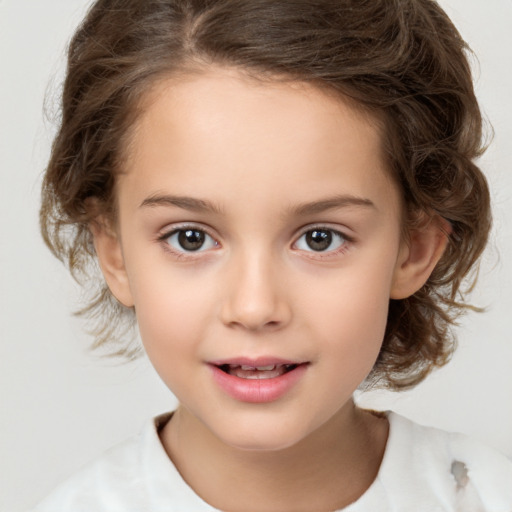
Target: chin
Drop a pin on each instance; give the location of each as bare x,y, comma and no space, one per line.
252,442
261,434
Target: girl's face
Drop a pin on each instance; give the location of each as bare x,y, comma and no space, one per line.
259,229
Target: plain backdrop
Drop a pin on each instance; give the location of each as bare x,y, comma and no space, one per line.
62,406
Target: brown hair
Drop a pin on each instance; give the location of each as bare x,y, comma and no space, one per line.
401,59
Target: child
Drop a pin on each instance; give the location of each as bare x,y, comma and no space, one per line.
283,194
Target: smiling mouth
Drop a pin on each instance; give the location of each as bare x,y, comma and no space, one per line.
257,372
260,380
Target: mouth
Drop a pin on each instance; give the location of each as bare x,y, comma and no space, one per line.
244,371
257,380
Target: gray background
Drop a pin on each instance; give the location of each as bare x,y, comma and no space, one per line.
61,406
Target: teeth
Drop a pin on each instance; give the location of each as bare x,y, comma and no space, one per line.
259,368
258,372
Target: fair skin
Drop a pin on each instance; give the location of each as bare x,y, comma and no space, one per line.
292,253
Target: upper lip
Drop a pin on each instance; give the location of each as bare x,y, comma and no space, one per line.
255,362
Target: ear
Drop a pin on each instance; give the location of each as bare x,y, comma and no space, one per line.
419,255
110,256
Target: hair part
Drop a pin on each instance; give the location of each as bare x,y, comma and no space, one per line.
401,60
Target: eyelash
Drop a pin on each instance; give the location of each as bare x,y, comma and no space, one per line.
184,254
345,243
191,254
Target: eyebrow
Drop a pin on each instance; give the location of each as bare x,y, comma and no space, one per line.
184,202
204,206
332,203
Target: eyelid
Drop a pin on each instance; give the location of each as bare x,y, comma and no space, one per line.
348,240
169,229
172,229
326,226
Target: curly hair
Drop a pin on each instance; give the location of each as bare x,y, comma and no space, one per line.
403,60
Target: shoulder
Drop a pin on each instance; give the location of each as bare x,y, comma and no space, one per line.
91,488
134,476
461,472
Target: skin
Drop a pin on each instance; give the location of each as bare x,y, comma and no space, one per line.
272,161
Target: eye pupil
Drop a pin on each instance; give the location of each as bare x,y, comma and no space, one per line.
191,239
318,240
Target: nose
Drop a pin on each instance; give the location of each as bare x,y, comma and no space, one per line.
255,295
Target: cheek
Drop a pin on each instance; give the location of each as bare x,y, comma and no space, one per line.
172,312
356,331
366,306
351,311
172,321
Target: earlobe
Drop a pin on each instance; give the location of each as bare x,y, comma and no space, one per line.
419,256
110,256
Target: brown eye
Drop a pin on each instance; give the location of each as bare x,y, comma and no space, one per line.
320,240
190,240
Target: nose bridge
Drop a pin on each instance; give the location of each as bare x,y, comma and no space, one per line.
255,296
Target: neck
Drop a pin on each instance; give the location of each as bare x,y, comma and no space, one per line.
328,470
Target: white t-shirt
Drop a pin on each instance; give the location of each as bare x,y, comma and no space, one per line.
423,470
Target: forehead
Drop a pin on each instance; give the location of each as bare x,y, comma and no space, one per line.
228,98
210,130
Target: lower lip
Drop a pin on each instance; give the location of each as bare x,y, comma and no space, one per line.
257,390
